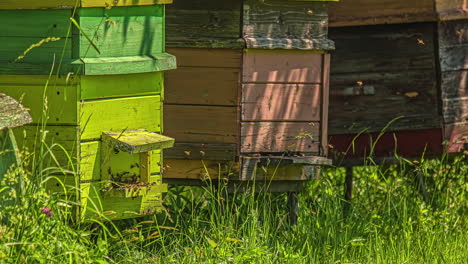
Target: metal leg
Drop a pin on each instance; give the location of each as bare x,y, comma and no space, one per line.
293,207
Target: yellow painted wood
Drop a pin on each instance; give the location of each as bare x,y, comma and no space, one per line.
120,114
136,141
104,86
31,138
68,4
61,101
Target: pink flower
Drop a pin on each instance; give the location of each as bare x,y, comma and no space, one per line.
46,210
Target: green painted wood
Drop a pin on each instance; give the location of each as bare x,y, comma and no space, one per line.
8,151
34,23
120,31
62,101
13,47
120,114
136,141
126,65
103,86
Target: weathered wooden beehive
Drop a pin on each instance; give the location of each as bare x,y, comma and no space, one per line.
251,89
398,59
95,71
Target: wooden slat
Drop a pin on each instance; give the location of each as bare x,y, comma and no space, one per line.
39,23
287,66
280,137
201,151
68,4
202,85
120,31
279,102
453,45
383,48
283,19
370,12
201,124
120,114
196,57
31,137
325,104
451,9
45,53
454,84
455,110
103,86
217,22
62,101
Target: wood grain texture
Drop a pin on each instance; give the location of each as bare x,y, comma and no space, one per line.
197,169
201,124
201,151
202,85
39,23
31,137
209,23
61,101
455,110
325,104
370,12
293,44
401,70
120,31
45,53
69,4
120,114
283,19
271,137
281,102
215,58
93,87
454,84
282,66
453,45
451,9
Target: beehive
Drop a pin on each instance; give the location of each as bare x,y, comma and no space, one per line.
95,71
251,88
398,59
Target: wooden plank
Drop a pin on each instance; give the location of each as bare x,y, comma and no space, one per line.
325,104
286,66
451,9
406,143
454,84
201,151
104,86
120,114
287,43
136,141
46,53
120,31
216,58
279,102
69,4
108,3
456,136
252,170
217,22
453,45
201,124
124,65
202,85
283,19
60,102
197,169
271,137
455,110
31,138
383,48
370,12
39,23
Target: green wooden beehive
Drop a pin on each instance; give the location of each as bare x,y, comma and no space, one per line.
92,69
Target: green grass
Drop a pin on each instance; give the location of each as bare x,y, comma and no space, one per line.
389,221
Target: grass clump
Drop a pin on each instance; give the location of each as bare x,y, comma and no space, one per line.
391,219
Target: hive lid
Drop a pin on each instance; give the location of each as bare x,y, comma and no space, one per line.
137,141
